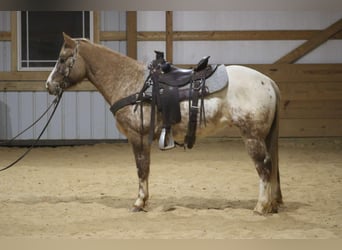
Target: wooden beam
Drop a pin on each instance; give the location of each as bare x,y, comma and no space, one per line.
337,35
279,72
310,127
246,35
169,35
310,109
131,34
25,85
301,72
151,36
296,72
5,36
113,36
300,82
311,44
290,92
310,91
217,35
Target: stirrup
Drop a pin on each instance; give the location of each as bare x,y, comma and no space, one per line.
166,140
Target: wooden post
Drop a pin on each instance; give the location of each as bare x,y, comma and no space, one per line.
97,26
311,44
131,34
169,35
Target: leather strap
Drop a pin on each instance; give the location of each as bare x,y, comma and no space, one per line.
129,100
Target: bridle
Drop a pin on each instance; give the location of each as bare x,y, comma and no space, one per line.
66,81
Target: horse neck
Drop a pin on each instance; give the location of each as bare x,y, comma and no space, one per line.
113,74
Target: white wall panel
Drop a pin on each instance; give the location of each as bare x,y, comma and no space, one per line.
54,130
116,45
151,20
83,114
40,104
5,56
80,115
26,113
113,20
146,50
253,20
232,52
5,20
11,117
69,110
4,128
5,46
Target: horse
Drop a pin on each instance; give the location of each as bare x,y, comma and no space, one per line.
250,102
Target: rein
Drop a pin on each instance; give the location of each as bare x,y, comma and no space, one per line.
56,103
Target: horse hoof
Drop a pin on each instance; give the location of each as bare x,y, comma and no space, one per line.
137,209
265,209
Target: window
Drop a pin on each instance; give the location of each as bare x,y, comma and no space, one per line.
40,35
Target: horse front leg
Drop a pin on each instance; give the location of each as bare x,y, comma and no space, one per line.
142,158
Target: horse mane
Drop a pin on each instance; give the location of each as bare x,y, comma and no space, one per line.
109,68
82,39
109,50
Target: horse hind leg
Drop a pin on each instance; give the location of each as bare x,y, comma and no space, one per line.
269,189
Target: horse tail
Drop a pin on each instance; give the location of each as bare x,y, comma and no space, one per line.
272,145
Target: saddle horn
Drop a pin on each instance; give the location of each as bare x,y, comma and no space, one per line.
202,64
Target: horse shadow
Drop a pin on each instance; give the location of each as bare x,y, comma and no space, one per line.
168,204
195,203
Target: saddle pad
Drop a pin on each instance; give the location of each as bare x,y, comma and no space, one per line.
218,80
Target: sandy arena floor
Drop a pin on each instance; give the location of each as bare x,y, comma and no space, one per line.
207,192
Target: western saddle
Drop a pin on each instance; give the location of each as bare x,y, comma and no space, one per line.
165,87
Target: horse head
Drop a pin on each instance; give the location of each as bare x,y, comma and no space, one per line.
69,69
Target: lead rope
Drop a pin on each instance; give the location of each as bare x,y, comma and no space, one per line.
55,102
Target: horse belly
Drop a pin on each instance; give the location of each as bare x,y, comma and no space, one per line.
216,118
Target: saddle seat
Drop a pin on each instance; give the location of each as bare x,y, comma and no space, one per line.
178,77
175,77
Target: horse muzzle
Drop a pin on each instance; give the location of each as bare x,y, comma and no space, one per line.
53,88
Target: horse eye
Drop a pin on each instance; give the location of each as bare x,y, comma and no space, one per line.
61,60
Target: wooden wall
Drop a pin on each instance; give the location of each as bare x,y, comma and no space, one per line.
311,104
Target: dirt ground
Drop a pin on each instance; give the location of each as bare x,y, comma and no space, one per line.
207,192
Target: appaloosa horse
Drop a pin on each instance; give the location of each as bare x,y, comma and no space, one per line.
250,102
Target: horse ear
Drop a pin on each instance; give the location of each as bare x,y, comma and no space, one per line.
69,41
